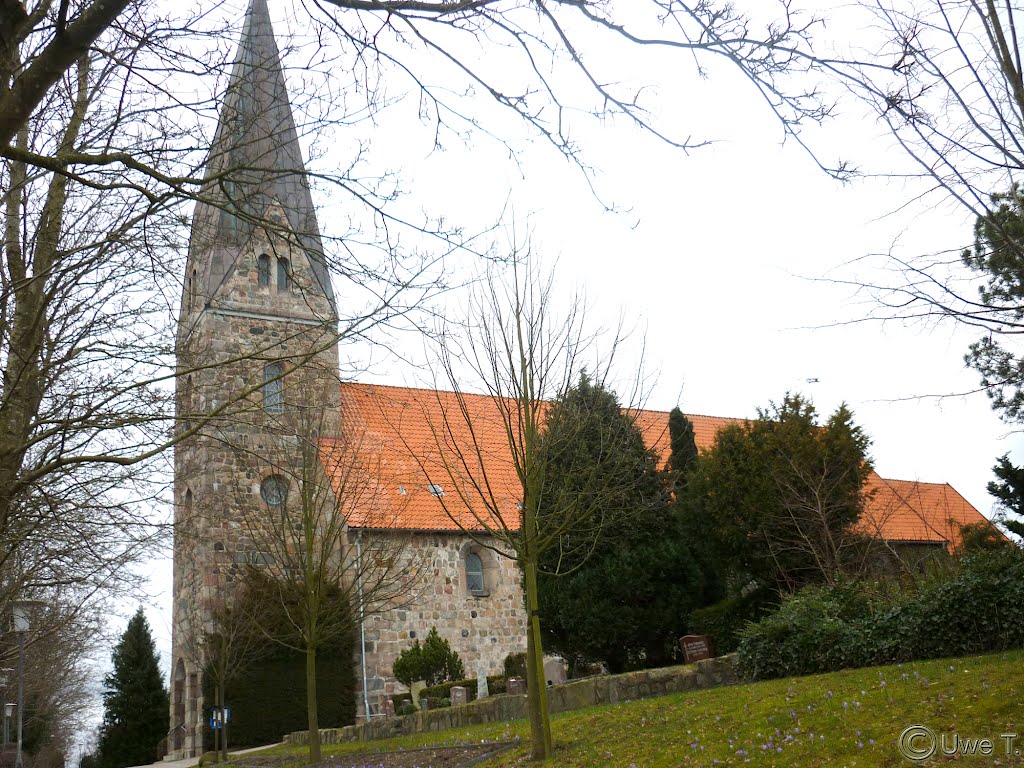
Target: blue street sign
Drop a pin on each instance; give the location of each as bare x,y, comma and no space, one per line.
219,717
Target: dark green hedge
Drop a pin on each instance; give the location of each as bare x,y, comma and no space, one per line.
268,700
977,607
267,695
724,620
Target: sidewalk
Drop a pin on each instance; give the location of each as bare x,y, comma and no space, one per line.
188,762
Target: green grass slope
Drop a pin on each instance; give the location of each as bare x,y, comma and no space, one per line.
849,718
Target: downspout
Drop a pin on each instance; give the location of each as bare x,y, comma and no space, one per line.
362,626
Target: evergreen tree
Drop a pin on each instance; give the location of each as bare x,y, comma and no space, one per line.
1009,492
683,446
434,661
627,580
693,524
998,258
136,711
780,495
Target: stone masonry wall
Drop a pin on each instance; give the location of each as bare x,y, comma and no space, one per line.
478,627
575,694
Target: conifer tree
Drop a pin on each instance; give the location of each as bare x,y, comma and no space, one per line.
683,445
135,704
624,581
1009,492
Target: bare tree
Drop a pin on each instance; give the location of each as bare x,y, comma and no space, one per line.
947,84
227,646
491,448
59,649
101,157
301,550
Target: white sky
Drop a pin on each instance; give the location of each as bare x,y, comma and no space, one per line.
716,261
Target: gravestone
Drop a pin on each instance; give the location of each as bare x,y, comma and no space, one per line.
555,670
481,680
416,690
389,707
458,695
516,686
695,647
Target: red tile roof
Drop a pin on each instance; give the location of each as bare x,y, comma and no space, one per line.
909,511
406,444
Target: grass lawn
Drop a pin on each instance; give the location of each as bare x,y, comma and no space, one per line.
850,718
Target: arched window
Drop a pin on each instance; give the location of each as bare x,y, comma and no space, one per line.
475,574
273,388
192,289
274,490
263,269
282,274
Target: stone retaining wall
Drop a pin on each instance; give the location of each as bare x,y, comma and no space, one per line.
575,694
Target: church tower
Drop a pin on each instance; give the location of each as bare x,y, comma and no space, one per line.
256,354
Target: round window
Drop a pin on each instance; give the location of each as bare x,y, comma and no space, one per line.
274,490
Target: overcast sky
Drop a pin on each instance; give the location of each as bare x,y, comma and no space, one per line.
725,262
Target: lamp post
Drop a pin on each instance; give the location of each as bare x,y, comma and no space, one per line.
8,712
21,611
5,679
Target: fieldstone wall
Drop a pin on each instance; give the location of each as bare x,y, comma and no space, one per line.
576,694
486,626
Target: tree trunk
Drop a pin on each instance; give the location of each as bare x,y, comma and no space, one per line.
536,685
311,714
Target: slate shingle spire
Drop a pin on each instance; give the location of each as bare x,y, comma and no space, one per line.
255,162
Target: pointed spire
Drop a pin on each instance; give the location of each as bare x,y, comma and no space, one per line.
255,161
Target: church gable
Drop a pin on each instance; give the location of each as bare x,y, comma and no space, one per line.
271,275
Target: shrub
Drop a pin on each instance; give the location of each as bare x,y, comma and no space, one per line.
977,607
724,620
434,662
812,631
515,665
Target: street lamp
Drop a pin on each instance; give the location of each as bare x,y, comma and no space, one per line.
5,679
21,611
8,713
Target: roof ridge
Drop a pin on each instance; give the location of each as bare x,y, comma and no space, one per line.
481,394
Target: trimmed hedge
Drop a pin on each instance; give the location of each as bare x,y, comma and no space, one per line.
977,607
440,695
267,695
268,699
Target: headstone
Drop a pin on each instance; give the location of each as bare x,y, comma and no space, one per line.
695,647
389,707
481,680
416,690
555,670
458,695
516,686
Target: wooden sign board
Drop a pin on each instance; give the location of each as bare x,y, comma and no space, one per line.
695,647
